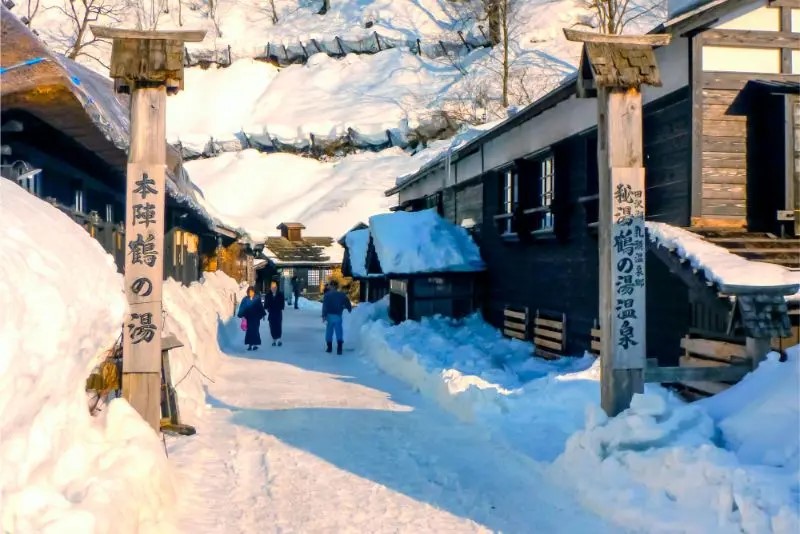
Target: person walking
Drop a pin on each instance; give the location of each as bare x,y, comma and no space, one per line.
252,311
333,305
275,303
296,291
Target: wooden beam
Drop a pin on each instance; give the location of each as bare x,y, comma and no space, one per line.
695,80
752,38
728,373
186,36
644,40
539,342
785,3
735,81
552,334
786,53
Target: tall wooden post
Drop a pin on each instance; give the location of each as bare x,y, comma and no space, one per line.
613,68
148,66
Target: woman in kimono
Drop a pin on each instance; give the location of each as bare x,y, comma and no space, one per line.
252,310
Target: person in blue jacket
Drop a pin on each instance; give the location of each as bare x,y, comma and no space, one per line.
252,310
274,302
333,305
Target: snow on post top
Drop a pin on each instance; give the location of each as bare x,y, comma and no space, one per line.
357,243
422,242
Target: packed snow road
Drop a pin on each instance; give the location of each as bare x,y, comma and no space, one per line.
296,440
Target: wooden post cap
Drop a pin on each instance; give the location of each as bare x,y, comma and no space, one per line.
147,58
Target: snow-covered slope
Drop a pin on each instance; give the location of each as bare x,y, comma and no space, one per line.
61,306
407,77
259,191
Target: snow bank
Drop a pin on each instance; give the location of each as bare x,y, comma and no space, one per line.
307,304
258,191
422,241
61,307
718,264
194,314
471,370
659,466
760,417
357,243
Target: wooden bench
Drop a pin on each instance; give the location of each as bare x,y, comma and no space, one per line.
515,323
596,339
549,335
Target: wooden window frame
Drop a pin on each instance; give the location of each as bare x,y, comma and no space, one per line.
544,195
509,201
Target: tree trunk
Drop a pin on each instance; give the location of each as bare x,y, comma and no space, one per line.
495,25
274,12
326,5
506,66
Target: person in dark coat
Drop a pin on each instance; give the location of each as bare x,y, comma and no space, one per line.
296,291
252,310
275,303
333,305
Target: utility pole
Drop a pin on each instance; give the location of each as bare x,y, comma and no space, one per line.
147,65
613,68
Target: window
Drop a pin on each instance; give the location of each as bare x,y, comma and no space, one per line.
546,178
313,278
509,197
109,213
79,200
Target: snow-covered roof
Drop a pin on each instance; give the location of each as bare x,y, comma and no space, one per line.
730,271
422,242
307,251
357,243
106,132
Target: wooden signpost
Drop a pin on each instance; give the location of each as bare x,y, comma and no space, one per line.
613,68
148,65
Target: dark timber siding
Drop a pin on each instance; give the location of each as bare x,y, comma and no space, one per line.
724,156
668,157
724,142
560,273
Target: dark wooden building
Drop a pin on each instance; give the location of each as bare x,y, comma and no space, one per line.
721,160
64,139
439,288
313,260
360,263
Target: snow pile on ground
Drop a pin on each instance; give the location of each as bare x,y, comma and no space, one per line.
719,264
660,467
357,243
61,307
257,191
193,315
307,304
422,241
471,370
760,417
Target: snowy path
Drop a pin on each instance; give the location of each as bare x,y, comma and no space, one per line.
299,441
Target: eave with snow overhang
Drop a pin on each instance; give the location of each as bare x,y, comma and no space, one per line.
65,138
719,155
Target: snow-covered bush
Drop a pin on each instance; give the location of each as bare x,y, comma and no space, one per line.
62,305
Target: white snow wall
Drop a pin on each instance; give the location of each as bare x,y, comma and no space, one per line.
61,306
